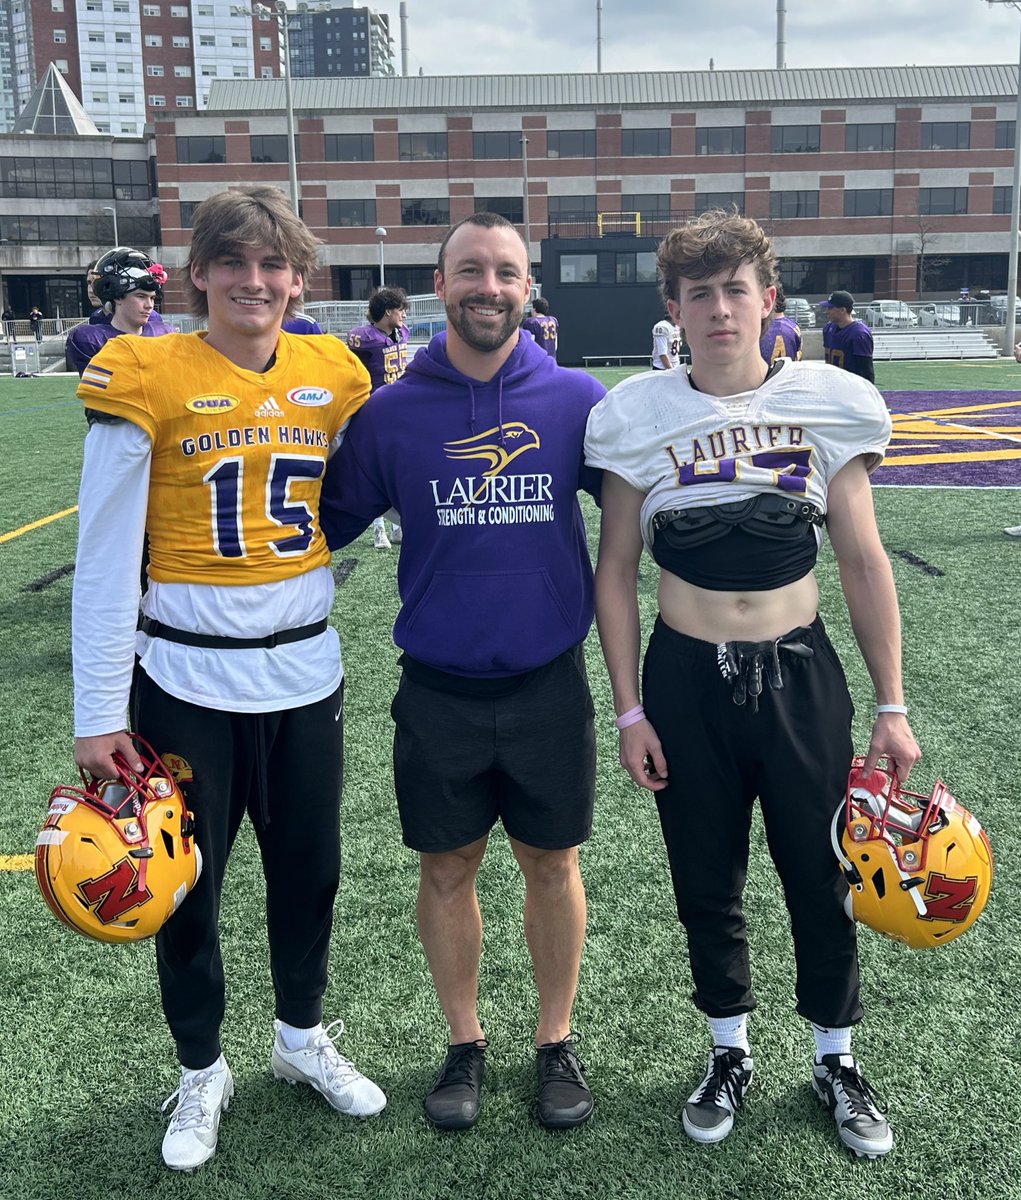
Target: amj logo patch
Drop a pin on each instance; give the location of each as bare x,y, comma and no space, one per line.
310,397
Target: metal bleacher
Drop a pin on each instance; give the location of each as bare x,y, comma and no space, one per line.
901,344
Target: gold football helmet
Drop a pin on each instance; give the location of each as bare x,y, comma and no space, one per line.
919,868
115,857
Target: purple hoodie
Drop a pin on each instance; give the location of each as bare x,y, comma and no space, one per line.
494,573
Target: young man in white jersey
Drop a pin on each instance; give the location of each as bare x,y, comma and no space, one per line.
726,473
666,345
215,444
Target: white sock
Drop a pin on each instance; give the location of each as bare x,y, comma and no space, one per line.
730,1031
831,1041
294,1038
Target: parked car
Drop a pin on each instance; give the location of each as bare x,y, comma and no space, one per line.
938,315
996,306
889,314
799,309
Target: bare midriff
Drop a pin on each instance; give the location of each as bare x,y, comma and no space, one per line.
714,616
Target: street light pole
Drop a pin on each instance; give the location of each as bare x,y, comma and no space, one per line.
1010,313
292,157
381,234
113,213
524,200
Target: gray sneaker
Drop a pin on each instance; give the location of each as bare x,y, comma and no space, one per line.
709,1114
859,1111
323,1067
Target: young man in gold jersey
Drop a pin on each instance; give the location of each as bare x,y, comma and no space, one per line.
215,444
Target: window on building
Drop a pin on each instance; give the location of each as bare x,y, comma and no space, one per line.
269,147
942,201
496,143
265,43
239,43
122,37
207,39
511,207
349,147
157,102
413,147
579,268
61,65
645,143
946,135
182,72
868,202
240,72
96,37
121,6
185,101
1002,200
346,213
1004,135
635,268
205,10
570,143
649,204
794,139
153,39
97,68
60,36
794,204
723,139
725,200
201,149
151,10
126,98
880,135
179,10
573,208
426,211
265,72
56,5
180,42
154,70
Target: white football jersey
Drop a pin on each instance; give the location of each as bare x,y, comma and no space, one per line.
666,339
685,449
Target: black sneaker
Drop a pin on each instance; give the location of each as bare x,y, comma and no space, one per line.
859,1111
456,1097
709,1114
563,1099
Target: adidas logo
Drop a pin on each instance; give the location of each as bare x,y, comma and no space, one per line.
269,408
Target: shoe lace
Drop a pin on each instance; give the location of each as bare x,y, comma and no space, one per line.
458,1067
861,1097
192,1111
723,1079
559,1061
337,1070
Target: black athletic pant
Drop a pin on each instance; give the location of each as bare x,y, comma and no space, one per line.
794,754
286,770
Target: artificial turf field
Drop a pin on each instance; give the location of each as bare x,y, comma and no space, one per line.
85,1059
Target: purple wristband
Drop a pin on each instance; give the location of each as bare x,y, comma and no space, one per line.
631,717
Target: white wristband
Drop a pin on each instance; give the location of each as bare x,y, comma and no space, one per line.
892,708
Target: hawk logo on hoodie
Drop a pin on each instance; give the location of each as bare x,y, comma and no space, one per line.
498,447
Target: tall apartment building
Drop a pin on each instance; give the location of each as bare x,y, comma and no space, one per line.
128,60
330,40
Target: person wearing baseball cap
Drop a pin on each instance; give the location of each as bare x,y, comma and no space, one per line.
847,343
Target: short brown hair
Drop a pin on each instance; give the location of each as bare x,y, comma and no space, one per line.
258,216
715,242
486,220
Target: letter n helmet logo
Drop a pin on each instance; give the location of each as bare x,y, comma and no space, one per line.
115,893
949,899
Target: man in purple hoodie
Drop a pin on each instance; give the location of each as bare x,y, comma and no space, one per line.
479,447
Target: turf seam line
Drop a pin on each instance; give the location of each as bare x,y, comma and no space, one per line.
920,563
44,581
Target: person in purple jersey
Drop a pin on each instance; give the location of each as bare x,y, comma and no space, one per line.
543,327
300,323
127,283
782,338
382,345
493,713
847,342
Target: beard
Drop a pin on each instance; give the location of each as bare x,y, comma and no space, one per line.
479,335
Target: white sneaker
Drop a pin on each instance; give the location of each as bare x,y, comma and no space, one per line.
860,1113
709,1114
1013,530
379,539
190,1139
397,535
320,1065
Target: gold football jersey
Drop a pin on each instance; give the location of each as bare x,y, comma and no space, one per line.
237,456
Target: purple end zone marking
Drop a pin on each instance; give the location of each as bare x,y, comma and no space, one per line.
951,440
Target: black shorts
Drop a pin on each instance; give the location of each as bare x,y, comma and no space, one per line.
528,758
